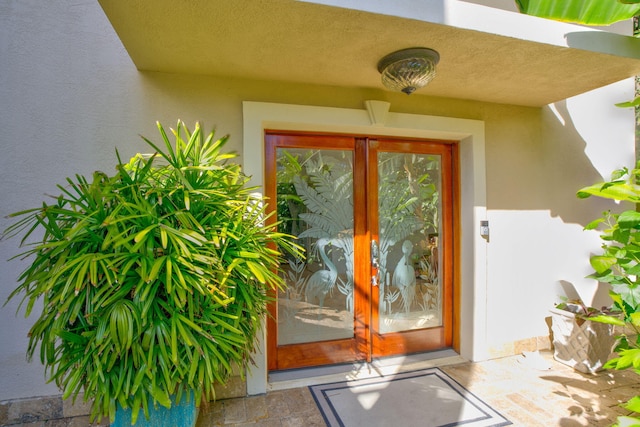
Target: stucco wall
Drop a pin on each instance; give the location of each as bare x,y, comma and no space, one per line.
538,249
70,96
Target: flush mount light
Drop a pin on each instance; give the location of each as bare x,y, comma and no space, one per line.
408,69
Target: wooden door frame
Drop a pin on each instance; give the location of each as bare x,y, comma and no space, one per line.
367,342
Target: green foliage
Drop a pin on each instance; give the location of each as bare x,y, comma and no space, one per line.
630,104
153,280
590,12
619,265
584,312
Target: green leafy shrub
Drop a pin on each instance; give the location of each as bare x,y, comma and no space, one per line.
619,265
153,280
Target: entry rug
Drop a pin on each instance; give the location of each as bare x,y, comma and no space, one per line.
425,398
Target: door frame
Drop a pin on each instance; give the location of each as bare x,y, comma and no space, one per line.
368,341
471,286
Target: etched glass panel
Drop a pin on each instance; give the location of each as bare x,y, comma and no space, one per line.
315,203
409,188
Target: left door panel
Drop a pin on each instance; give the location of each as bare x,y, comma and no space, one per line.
310,180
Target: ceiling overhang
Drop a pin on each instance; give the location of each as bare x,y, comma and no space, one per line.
486,54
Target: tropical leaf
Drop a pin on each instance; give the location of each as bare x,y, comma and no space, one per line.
618,191
312,199
329,212
629,219
590,12
602,263
629,104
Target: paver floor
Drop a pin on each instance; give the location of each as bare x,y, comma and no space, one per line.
527,395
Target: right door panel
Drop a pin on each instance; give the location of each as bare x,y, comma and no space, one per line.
411,221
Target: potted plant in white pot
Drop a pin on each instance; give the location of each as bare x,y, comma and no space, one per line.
153,281
579,339
619,265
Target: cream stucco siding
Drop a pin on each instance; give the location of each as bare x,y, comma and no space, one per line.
70,96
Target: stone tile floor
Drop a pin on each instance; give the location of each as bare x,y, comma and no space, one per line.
516,387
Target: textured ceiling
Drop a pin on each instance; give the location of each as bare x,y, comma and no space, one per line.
288,40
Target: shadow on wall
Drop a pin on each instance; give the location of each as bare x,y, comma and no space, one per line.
544,169
536,218
599,295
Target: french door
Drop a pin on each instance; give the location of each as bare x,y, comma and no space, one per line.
376,218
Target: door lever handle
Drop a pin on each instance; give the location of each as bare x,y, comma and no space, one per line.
375,255
375,262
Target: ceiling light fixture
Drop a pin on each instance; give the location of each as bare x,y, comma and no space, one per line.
408,69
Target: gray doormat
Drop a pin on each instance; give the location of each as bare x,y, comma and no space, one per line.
427,398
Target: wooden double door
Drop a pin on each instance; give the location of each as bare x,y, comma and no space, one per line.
376,217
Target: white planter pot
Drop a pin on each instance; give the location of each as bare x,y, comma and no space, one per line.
583,345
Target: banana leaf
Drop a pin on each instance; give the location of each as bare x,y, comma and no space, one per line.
589,12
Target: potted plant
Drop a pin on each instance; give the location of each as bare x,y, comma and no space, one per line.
153,280
579,339
619,266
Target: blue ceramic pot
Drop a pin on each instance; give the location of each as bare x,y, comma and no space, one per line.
183,414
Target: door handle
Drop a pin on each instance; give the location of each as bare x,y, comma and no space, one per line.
375,254
375,262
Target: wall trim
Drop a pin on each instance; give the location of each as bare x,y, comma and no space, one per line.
258,116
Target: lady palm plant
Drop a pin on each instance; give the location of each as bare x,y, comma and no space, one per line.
153,280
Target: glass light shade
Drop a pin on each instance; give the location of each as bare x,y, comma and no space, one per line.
409,69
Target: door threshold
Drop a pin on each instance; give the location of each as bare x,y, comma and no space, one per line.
294,378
